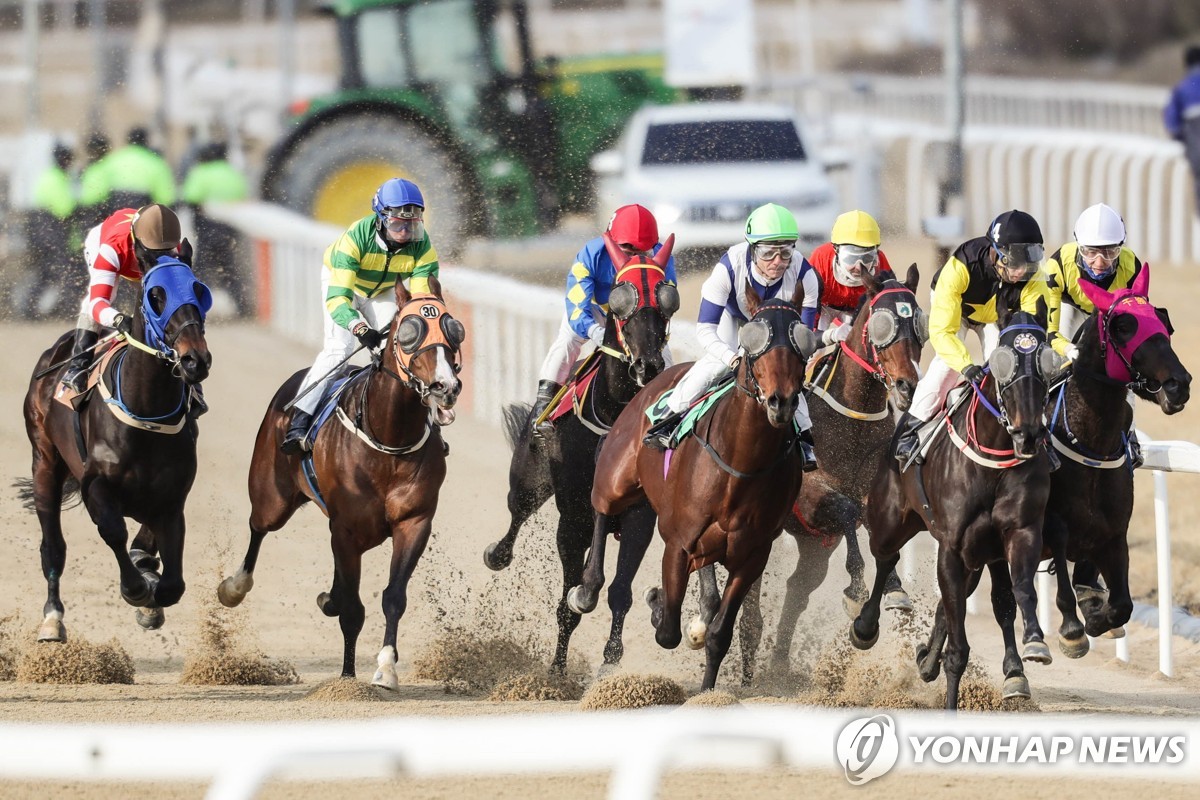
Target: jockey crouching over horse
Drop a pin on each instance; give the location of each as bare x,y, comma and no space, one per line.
131,451
370,454
873,330
981,481
634,276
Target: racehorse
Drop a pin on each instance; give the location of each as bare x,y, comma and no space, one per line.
375,472
129,453
641,305
1125,344
852,425
722,495
982,493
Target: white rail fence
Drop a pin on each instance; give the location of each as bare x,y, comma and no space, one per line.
635,747
1116,108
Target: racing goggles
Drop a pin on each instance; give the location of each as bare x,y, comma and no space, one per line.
403,220
851,254
1108,252
1019,261
769,251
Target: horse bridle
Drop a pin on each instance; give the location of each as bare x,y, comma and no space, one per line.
411,340
1026,358
662,297
885,328
1104,323
758,337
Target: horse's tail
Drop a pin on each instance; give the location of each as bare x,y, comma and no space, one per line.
71,496
516,422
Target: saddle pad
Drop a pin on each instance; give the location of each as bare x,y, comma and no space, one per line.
329,403
659,410
577,387
926,433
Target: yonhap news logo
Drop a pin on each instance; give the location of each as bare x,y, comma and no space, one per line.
869,747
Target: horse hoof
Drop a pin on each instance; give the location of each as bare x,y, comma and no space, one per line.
851,606
897,600
579,602
1115,633
860,643
325,603
1016,686
150,618
1037,652
1073,648
495,560
144,597
606,669
52,630
146,562
233,591
696,631
651,596
386,679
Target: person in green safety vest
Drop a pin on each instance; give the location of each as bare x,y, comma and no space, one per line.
49,231
214,180
131,176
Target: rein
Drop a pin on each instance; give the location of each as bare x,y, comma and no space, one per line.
789,444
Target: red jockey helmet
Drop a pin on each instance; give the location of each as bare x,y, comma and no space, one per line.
634,225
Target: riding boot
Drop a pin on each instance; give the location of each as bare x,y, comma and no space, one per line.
75,376
546,392
1134,448
293,442
808,449
907,440
661,434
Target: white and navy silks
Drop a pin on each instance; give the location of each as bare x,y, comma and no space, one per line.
723,313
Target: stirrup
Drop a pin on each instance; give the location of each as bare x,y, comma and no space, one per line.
809,454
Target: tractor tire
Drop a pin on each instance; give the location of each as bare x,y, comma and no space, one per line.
333,173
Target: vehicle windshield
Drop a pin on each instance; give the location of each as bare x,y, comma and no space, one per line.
722,142
436,43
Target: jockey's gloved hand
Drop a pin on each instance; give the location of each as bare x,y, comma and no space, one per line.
123,323
1072,353
367,336
596,334
185,251
734,358
836,333
973,373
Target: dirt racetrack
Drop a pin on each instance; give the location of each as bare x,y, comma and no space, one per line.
452,587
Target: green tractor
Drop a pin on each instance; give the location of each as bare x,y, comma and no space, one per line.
447,93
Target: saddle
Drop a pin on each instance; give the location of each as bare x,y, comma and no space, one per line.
75,400
571,398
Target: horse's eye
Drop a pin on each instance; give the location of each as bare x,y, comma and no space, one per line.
158,299
1124,326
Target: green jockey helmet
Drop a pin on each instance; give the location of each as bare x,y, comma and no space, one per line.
771,223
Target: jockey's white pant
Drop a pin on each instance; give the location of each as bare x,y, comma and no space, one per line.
339,342
564,352
1069,320
703,375
939,379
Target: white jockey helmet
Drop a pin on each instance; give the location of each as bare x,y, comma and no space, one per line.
1099,226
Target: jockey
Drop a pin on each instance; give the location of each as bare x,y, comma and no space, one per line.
358,280
768,260
125,245
852,247
1099,256
589,283
964,298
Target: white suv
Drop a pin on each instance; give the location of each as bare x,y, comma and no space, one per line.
703,167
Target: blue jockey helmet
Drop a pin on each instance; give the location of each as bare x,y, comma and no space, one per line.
396,193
